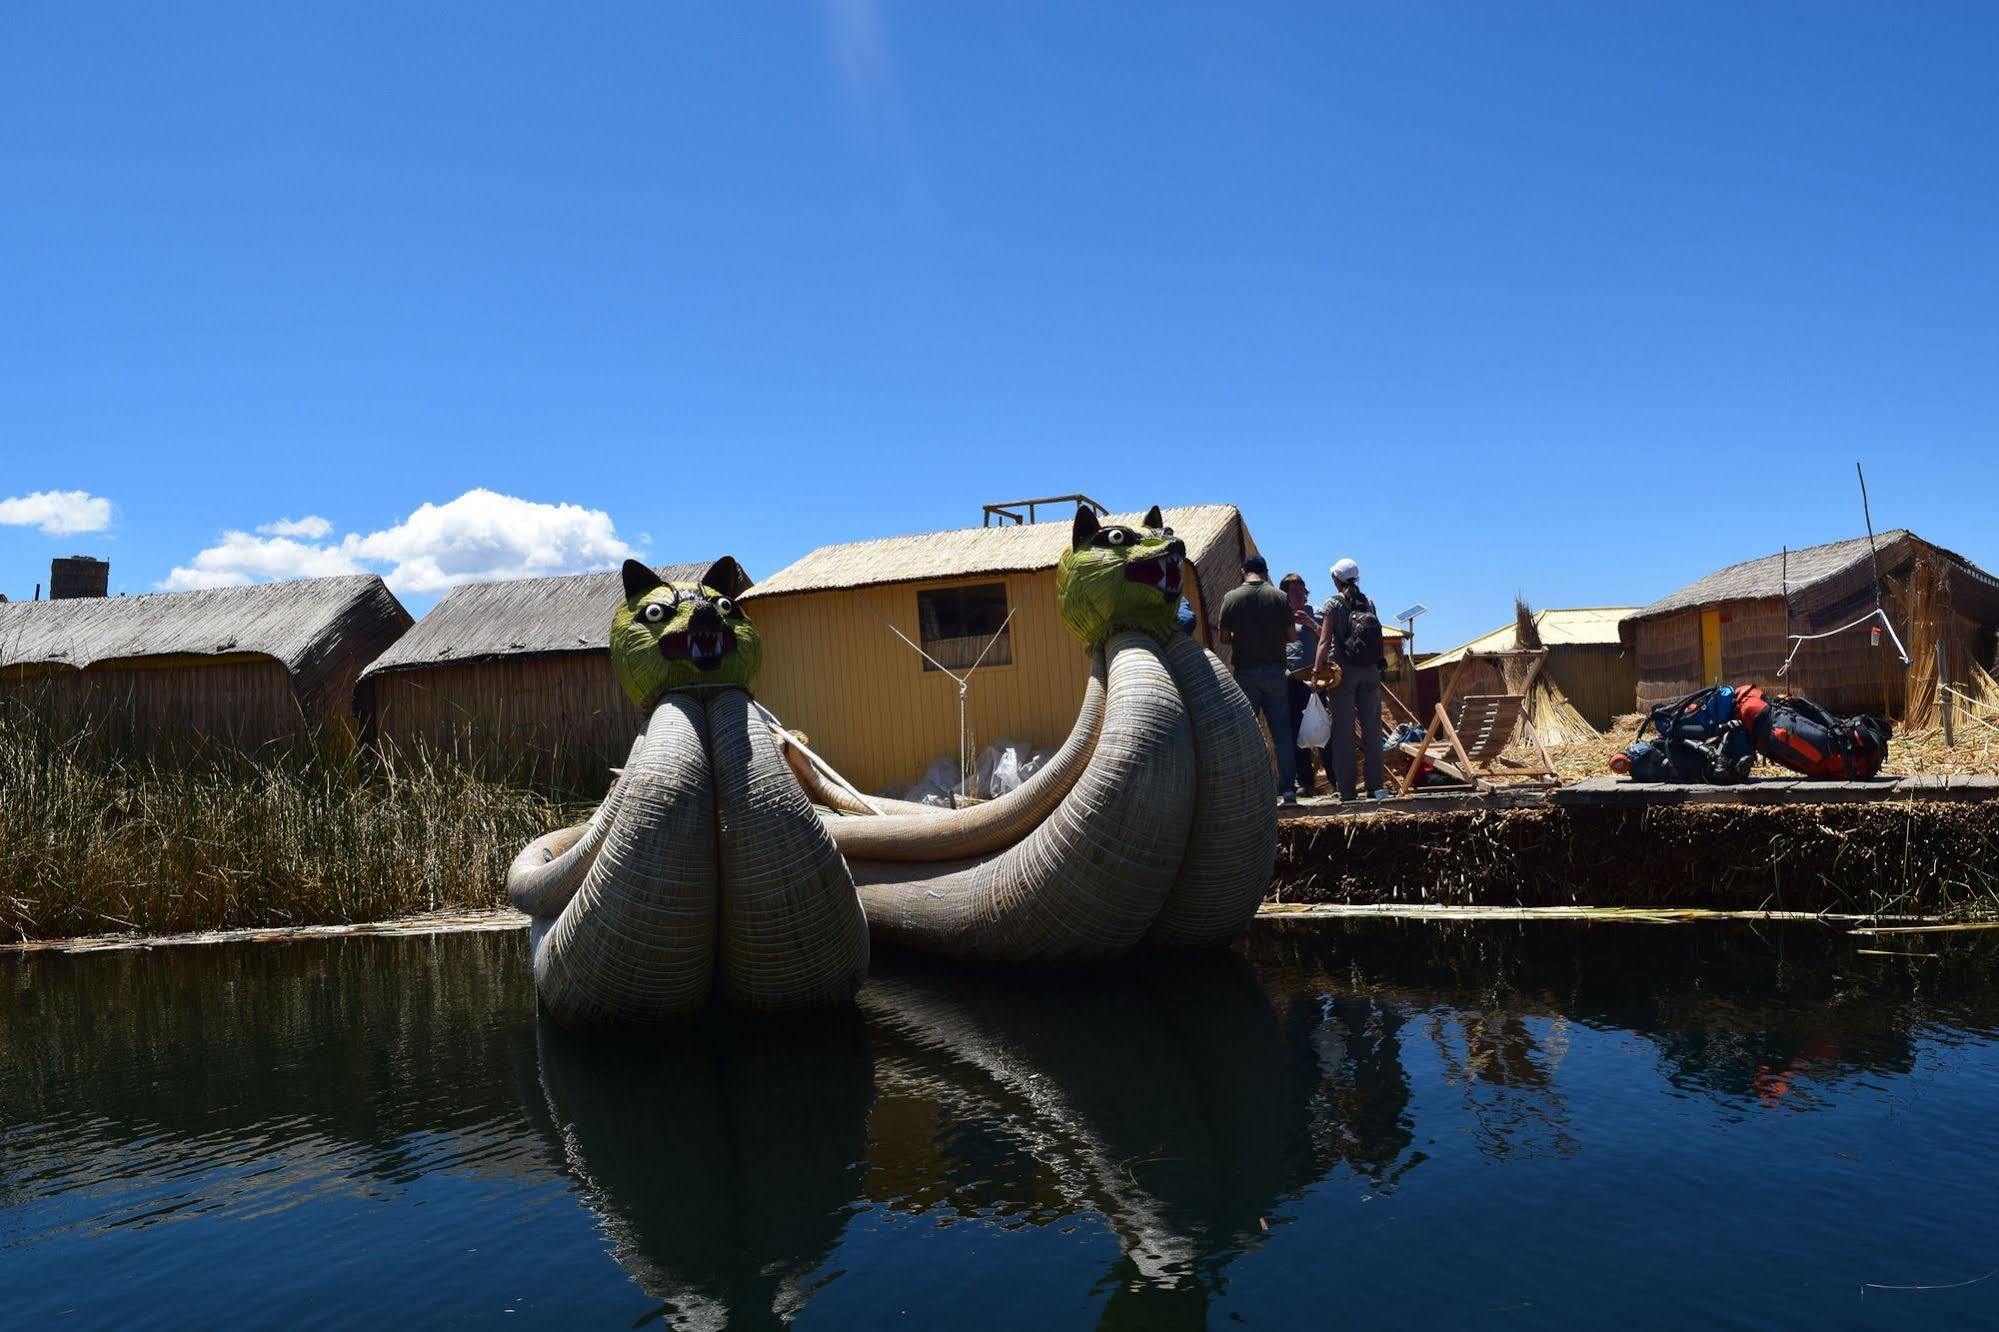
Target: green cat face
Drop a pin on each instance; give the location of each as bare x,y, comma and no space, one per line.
1115,578
679,636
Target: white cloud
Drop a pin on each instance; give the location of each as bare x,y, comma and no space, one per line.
57,512
241,558
478,537
312,527
482,536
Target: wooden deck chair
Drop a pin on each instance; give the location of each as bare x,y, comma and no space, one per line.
1467,742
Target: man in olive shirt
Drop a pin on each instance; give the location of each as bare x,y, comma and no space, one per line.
1256,623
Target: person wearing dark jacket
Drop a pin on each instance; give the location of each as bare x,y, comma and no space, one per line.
1256,625
1350,635
1298,657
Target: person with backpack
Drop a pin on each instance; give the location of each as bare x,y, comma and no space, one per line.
1351,638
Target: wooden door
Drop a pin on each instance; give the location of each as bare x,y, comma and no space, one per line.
1710,647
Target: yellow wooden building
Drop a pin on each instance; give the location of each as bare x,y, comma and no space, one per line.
877,709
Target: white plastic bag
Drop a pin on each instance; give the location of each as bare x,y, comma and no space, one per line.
998,769
1006,774
1315,728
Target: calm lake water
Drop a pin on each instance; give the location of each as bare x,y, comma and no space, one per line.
1534,1126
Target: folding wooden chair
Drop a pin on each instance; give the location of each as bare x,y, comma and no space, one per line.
1467,742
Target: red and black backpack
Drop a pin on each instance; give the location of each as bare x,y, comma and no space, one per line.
1798,734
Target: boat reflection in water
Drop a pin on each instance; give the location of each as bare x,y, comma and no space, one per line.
1171,1102
1166,1100
723,1160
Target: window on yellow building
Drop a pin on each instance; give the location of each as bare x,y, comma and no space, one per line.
958,622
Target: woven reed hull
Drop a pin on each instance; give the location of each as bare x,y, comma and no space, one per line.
1232,841
547,873
792,933
704,872
637,941
1092,878
934,835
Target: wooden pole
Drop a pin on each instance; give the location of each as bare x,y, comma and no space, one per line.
1943,694
819,765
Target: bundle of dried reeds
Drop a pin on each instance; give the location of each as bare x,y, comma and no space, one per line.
1526,633
1924,601
1554,718
1980,687
1550,715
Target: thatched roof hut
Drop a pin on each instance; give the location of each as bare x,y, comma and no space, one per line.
243,666
514,678
834,667
1587,660
1736,624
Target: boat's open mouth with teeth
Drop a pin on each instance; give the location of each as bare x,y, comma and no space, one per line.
704,647
1161,571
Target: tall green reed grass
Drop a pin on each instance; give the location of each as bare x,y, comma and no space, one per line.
94,840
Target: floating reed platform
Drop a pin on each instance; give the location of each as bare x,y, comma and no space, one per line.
475,921
1923,847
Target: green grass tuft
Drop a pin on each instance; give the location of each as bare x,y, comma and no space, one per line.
93,841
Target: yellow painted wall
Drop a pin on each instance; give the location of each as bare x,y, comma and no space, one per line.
834,671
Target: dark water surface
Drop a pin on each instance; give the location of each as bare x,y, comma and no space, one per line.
1391,1124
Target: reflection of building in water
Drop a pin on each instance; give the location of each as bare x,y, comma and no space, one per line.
336,1067
1506,1075
1734,1013
723,1161
1165,1100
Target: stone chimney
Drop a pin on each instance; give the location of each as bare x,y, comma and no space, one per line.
78,576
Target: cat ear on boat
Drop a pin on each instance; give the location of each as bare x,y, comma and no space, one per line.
639,580
1154,519
1085,528
722,576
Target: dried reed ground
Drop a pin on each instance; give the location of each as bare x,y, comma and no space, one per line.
96,844
1916,753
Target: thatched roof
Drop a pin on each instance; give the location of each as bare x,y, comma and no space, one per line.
971,551
529,616
294,622
1811,575
1588,626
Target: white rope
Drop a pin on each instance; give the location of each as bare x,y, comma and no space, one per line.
1957,693
967,742
819,765
1799,640
964,682
905,638
1974,720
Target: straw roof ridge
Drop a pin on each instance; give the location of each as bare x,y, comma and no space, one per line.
1570,626
1770,575
289,621
530,616
970,551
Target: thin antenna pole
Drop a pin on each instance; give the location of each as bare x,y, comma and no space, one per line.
1867,512
1784,577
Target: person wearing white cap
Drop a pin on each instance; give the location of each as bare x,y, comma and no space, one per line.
1352,638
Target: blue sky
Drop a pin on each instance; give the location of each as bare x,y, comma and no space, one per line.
1577,301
